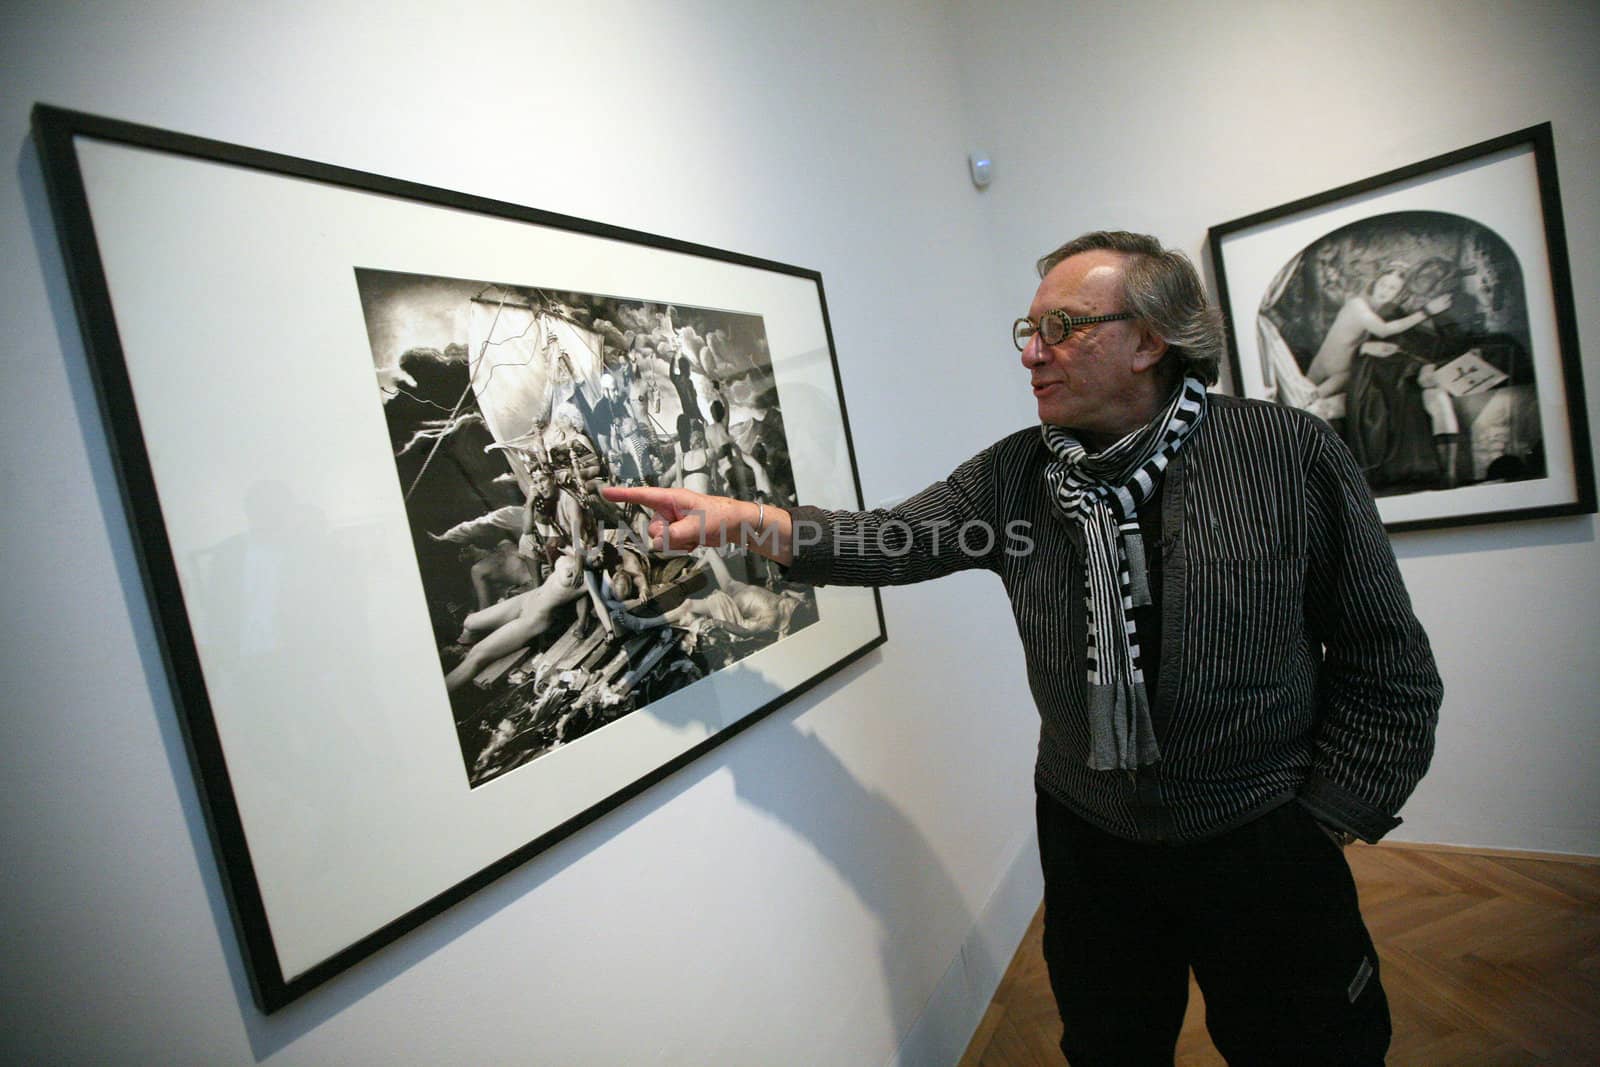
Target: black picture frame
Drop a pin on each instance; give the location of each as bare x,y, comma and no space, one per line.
1475,411
140,213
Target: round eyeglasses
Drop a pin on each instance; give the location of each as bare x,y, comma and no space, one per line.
1054,327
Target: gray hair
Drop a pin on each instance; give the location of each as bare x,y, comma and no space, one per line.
1163,289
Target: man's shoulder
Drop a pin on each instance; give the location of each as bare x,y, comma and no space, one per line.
1244,406
1016,447
1016,457
1019,450
1235,415
1029,438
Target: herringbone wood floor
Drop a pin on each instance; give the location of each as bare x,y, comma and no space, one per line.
1487,959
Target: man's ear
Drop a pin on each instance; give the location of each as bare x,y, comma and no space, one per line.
1152,347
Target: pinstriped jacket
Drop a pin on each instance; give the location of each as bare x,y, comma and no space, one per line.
1292,665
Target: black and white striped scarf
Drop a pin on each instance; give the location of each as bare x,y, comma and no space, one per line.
1102,492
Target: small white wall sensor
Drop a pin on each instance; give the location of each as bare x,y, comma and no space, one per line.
982,168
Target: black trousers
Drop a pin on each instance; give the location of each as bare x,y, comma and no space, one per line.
1265,914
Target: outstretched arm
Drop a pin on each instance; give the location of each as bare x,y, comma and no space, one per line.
917,540
685,520
1374,324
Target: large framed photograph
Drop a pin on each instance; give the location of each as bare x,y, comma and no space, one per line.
361,426
1426,314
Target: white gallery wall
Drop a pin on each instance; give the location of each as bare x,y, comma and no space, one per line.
844,882
795,897
1172,118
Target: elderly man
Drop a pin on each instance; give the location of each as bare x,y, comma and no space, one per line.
1230,679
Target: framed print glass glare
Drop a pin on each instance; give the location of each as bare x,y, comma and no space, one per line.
360,425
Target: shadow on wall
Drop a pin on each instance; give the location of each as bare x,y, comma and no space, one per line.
870,843
873,847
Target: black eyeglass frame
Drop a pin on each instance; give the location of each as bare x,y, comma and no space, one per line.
1024,328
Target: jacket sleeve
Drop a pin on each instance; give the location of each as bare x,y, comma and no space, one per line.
950,526
1379,690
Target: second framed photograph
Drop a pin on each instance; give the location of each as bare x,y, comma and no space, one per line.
1426,314
362,426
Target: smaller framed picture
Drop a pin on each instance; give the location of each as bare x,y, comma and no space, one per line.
1426,314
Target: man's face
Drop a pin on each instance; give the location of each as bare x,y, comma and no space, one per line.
1086,383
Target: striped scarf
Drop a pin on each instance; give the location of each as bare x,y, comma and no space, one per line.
1103,492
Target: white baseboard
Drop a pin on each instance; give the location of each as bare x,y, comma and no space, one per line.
950,1018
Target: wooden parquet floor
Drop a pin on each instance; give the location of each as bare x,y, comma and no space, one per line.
1487,959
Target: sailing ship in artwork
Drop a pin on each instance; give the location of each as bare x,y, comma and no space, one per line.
508,408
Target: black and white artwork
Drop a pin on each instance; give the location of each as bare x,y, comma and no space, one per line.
508,407
360,425
1426,315
1408,333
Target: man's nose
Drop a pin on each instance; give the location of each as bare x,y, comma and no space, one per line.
1033,353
